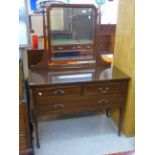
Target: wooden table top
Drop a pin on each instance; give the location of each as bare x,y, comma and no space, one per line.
47,77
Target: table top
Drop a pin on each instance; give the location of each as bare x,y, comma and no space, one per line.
69,76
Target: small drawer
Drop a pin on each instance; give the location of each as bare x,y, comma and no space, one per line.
46,107
105,88
58,91
62,48
57,105
72,48
99,101
87,46
51,105
58,48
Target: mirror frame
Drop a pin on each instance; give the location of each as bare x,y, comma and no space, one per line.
51,6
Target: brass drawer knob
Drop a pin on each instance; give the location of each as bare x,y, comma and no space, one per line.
88,46
73,47
105,90
59,106
60,48
103,101
59,92
78,47
40,93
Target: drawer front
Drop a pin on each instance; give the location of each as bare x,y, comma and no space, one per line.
87,46
62,48
72,47
104,101
105,88
58,91
77,104
57,104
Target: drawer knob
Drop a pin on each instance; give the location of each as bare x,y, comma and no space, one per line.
105,90
73,47
78,46
40,93
60,48
60,106
59,92
88,46
103,101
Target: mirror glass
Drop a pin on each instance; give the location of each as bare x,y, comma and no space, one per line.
71,25
71,33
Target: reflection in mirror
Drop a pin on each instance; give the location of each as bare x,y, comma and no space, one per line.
71,34
72,78
106,74
37,77
72,25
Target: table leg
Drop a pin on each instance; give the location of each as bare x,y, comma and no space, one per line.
120,120
108,112
36,131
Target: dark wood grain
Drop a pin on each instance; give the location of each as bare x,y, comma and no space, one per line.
105,89
46,61
106,38
104,44
63,105
34,56
69,87
25,145
98,74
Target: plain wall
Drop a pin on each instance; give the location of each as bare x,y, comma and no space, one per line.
124,59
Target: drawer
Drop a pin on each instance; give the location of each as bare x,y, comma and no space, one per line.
62,48
74,104
57,104
102,101
55,91
87,46
72,47
105,88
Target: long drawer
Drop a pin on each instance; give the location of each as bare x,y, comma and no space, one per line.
61,105
105,88
56,104
72,47
58,91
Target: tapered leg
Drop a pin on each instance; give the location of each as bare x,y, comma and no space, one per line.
120,120
36,131
37,136
108,112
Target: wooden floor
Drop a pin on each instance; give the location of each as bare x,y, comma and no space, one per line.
123,153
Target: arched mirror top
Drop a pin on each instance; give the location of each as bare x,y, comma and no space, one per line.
71,24
70,31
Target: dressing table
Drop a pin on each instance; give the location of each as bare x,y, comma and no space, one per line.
68,76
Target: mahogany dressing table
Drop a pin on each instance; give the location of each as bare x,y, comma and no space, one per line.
67,76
